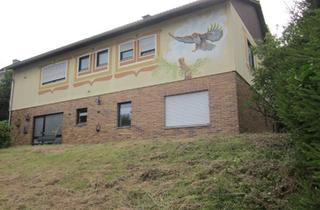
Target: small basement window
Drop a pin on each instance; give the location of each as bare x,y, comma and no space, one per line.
82,115
126,51
102,58
251,56
147,45
84,63
124,114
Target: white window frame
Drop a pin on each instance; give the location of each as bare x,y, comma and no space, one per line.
96,58
155,45
57,81
89,64
82,114
133,48
190,125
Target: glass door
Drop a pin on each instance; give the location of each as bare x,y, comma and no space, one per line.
48,129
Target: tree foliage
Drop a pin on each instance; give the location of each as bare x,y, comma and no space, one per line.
5,89
5,139
288,83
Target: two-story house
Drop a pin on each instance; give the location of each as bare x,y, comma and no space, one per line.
183,72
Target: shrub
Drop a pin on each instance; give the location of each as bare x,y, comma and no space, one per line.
5,139
289,81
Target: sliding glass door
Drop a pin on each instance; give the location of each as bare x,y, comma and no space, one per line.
48,129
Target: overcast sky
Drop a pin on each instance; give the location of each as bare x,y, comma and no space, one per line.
32,27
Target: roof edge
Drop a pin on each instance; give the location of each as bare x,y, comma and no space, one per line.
152,20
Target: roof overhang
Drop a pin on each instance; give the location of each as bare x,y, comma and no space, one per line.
155,19
262,21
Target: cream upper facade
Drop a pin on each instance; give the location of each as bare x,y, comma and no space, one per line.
205,42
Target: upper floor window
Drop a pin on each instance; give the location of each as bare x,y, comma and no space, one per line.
147,45
102,58
84,63
53,73
126,51
251,56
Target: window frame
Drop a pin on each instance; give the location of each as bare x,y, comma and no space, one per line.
78,117
56,81
119,115
97,58
250,58
133,51
89,64
155,46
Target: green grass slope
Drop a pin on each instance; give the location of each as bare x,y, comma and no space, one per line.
235,172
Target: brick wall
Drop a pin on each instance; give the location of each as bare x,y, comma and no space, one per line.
250,121
147,112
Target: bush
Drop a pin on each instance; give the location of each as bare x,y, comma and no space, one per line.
5,139
289,81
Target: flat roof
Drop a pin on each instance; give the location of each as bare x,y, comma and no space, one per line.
150,20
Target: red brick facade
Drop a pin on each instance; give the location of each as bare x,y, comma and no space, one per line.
228,114
249,119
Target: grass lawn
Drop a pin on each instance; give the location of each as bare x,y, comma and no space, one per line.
235,172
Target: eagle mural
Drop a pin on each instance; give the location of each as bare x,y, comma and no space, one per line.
202,41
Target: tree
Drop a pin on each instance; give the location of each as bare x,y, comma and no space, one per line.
288,85
5,90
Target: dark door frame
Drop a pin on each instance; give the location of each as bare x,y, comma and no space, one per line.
44,123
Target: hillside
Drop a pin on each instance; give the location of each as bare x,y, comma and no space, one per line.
236,172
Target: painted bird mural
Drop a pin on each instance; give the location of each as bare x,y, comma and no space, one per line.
203,41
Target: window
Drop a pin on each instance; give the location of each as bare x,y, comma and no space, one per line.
124,114
48,129
251,56
102,58
82,115
53,73
187,110
126,51
84,63
147,45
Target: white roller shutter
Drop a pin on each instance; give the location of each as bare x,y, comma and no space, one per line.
147,43
126,46
185,110
54,72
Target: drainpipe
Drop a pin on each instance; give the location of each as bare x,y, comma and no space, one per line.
12,90
11,97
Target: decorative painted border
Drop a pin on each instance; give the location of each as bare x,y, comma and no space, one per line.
96,74
135,73
138,59
90,82
143,63
60,85
41,92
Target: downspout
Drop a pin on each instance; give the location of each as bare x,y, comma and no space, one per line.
11,97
